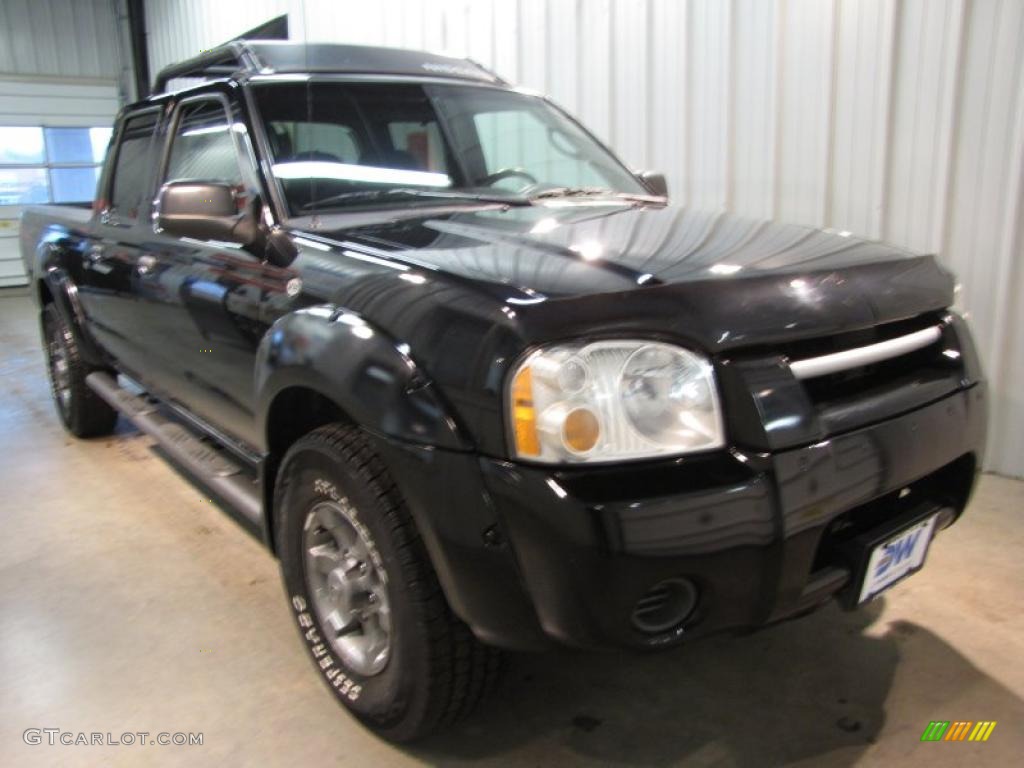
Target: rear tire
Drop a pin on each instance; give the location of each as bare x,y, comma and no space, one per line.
82,411
400,660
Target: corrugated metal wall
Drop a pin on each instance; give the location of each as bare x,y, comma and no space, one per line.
902,120
30,101
59,38
179,29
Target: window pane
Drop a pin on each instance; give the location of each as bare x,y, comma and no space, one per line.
524,144
315,141
74,185
22,146
204,148
23,186
521,140
131,171
329,140
421,141
77,145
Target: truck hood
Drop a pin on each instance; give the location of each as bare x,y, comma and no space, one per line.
723,279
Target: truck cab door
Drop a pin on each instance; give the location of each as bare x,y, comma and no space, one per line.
204,297
112,254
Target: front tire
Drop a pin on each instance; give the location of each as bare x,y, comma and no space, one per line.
364,594
82,411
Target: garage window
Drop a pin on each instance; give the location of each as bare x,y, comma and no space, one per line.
50,165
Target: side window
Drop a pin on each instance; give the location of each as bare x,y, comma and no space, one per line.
132,165
203,148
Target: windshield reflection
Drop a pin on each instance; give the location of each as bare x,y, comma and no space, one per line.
338,145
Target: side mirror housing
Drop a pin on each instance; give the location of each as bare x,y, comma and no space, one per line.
655,182
204,210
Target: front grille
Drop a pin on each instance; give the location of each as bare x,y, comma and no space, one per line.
868,393
771,406
865,394
841,342
927,363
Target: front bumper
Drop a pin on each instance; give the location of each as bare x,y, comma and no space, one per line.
528,555
758,535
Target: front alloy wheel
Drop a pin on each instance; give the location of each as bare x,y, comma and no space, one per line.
348,585
364,593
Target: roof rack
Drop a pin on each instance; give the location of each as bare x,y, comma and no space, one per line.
225,60
250,57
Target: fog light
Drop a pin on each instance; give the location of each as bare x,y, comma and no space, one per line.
665,606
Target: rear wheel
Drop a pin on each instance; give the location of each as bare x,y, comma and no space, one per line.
364,594
81,410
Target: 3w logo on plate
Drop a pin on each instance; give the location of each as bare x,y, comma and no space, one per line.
896,552
958,730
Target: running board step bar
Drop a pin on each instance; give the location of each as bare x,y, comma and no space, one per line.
209,464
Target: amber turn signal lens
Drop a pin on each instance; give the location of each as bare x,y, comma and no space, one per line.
581,430
523,415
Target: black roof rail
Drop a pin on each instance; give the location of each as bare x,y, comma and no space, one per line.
250,57
223,61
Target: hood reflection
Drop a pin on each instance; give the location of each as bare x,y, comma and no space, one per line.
557,251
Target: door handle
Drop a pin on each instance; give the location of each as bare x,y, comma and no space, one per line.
96,259
145,263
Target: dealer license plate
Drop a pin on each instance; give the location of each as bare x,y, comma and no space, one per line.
897,558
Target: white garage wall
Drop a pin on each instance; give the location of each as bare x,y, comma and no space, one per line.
58,103
37,101
59,66
179,29
61,38
901,120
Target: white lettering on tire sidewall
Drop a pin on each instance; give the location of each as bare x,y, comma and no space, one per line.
342,683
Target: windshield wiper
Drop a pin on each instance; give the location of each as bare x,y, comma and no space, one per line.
381,194
594,192
570,192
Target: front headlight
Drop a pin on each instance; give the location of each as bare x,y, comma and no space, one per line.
613,400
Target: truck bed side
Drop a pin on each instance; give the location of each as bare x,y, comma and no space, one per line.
49,223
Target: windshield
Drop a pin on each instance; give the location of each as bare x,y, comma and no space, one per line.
346,145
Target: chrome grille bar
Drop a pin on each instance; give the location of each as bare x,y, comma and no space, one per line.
812,367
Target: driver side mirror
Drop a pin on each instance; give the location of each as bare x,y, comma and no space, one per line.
655,182
204,210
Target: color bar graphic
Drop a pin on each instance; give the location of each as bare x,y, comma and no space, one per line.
935,730
982,730
958,730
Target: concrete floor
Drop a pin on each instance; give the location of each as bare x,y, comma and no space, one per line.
128,602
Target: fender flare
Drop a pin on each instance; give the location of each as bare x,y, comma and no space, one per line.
368,374
375,382
64,293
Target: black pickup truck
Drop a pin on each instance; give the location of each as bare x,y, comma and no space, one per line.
478,385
